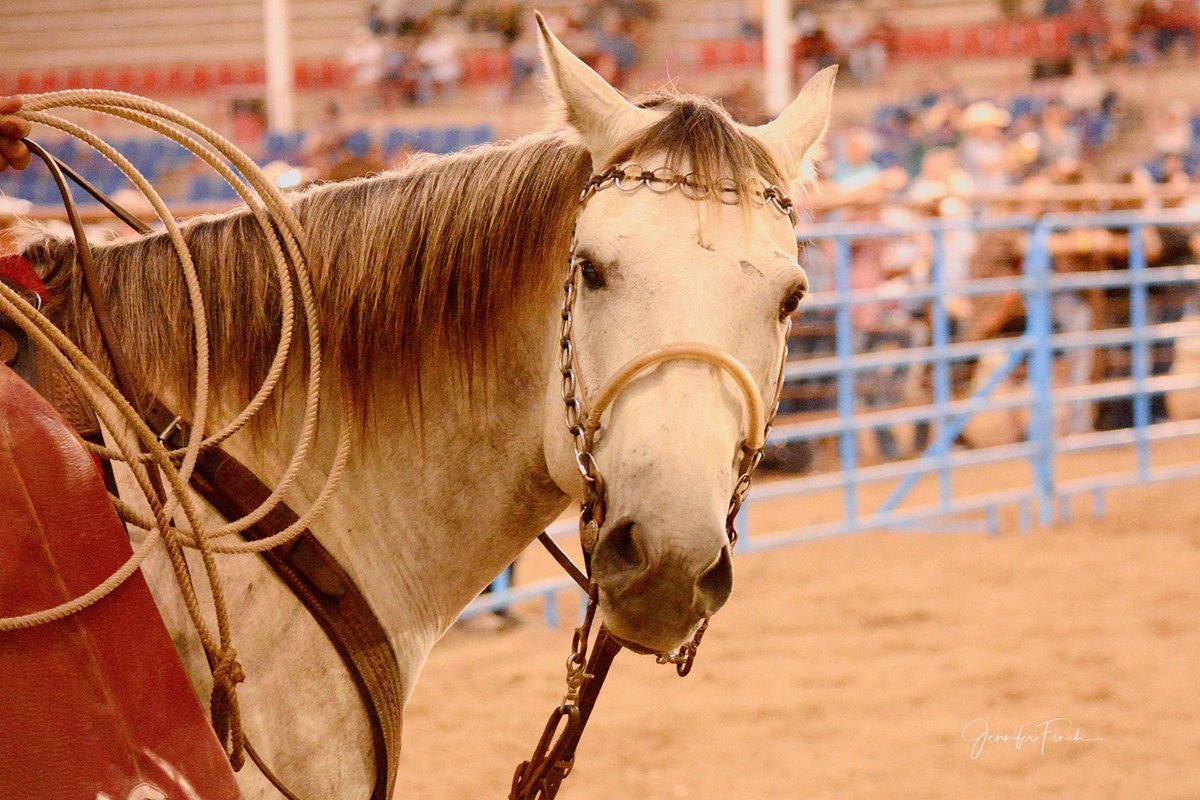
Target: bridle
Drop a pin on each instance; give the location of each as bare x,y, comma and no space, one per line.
582,423
553,758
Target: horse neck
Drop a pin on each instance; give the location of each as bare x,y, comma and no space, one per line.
432,506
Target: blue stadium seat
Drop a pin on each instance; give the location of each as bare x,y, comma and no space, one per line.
1191,161
358,144
426,140
45,192
394,140
133,149
111,181
209,187
28,180
454,139
198,188
481,134
283,146
66,149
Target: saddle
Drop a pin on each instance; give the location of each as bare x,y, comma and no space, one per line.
95,705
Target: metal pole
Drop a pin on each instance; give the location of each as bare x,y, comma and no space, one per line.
279,67
1140,352
777,55
1039,327
940,318
844,331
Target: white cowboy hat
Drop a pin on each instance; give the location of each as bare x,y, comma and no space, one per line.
984,114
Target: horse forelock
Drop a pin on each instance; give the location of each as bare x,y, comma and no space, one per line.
698,135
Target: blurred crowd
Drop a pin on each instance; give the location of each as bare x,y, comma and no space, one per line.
1128,31
842,33
943,156
862,37
413,52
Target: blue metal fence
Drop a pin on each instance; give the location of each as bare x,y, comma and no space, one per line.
1046,495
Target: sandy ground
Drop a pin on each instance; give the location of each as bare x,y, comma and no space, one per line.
853,668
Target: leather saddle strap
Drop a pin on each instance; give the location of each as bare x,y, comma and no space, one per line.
322,585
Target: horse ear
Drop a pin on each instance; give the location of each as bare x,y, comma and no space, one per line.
598,112
802,124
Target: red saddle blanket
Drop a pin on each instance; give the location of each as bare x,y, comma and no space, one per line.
95,705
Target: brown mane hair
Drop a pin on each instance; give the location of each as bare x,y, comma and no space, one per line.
427,265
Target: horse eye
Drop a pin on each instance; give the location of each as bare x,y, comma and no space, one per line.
593,278
790,304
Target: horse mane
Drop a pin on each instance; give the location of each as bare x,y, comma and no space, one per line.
426,267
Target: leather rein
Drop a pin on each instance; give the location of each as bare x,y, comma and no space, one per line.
329,593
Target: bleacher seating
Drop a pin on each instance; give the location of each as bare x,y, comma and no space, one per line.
154,157
992,40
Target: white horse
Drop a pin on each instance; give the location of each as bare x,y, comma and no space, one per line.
440,289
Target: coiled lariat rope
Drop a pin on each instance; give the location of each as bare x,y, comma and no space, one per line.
135,443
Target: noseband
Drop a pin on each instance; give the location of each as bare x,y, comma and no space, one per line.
554,756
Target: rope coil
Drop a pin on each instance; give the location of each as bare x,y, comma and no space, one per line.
141,448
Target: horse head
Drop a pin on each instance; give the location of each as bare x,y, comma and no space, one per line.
679,242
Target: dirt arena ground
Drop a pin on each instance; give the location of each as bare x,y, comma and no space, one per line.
854,667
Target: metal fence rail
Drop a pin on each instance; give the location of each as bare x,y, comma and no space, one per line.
1044,497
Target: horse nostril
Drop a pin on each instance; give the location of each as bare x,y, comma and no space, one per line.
716,583
618,550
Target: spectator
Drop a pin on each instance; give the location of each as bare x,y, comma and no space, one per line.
1173,130
439,65
399,84
506,18
364,57
941,177
614,41
326,140
847,32
983,150
812,51
376,24
1074,311
1176,26
914,145
1090,29
869,59
1057,140
1084,92
524,57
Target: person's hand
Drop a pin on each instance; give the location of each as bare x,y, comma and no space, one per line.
13,151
